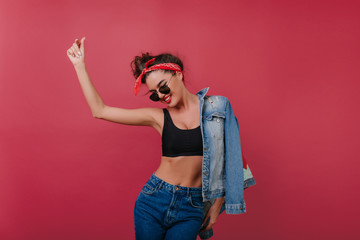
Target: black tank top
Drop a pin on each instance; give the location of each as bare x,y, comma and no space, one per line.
180,142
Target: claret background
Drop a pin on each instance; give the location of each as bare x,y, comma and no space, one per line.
289,68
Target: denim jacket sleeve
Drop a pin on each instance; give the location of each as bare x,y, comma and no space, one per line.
234,181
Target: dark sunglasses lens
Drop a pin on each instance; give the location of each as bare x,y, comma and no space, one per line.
154,97
164,89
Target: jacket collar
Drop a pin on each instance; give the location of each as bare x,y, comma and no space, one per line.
202,92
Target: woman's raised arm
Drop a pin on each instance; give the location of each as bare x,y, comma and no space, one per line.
140,116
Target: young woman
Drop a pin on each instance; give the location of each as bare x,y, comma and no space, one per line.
185,195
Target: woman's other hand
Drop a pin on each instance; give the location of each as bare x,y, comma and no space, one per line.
76,52
213,214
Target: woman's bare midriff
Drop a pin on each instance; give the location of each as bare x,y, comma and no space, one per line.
184,171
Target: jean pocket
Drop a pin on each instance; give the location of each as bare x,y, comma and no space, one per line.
149,188
196,201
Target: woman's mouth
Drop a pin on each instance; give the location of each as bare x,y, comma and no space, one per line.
167,99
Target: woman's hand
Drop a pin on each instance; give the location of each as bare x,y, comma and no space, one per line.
213,214
76,52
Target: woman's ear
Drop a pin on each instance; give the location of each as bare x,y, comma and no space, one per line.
179,75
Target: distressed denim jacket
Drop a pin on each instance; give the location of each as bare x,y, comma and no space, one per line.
225,172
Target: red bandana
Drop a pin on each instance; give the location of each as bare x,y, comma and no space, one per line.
169,66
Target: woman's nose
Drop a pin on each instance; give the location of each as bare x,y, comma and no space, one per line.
161,95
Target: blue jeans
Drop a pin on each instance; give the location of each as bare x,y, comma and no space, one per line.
166,211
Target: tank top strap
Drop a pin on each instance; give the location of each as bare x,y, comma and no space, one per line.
168,123
165,112
166,117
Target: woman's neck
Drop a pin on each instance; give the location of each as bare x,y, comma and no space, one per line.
187,101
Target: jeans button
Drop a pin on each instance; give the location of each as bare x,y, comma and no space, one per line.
177,188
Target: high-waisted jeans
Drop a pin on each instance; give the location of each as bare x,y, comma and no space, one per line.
168,212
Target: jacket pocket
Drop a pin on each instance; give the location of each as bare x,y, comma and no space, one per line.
215,123
215,115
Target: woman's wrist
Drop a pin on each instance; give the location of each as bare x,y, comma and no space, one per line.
219,201
80,66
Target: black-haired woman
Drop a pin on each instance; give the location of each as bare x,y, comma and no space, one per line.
172,203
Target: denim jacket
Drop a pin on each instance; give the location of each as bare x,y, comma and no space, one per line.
225,172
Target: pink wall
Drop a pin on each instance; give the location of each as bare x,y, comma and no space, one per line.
289,68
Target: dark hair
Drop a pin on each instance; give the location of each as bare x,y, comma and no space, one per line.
138,64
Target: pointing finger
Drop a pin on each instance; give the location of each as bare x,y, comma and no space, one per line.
82,46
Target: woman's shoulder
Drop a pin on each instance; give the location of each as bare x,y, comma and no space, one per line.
215,104
210,97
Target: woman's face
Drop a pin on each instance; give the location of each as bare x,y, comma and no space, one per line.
156,79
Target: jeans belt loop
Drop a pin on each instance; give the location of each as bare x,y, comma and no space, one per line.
159,185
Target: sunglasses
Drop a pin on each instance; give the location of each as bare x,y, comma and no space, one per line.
164,89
